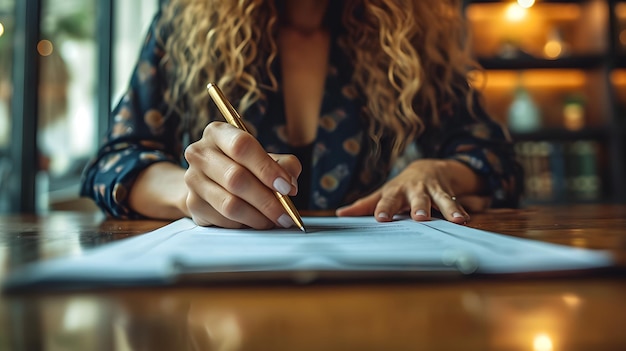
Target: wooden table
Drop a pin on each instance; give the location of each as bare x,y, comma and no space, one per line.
565,313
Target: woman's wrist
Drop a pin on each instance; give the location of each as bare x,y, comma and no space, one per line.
181,204
160,192
463,179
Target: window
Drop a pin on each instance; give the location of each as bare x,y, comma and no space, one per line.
6,59
132,19
84,66
67,124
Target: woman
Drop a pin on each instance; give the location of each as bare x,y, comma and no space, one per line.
371,95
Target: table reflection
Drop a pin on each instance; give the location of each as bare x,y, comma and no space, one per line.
26,239
486,316
504,313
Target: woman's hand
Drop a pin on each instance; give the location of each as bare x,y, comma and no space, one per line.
231,180
445,185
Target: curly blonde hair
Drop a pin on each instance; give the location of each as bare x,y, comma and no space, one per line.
410,58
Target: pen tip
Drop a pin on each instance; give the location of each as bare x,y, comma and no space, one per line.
302,229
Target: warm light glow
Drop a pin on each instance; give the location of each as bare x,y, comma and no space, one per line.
620,10
553,49
580,242
45,47
1,29
542,342
618,78
477,78
526,3
564,78
552,12
572,300
574,119
515,12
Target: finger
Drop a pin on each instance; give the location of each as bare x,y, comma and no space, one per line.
420,204
449,208
238,184
362,207
205,215
391,203
200,211
474,203
292,165
245,150
211,203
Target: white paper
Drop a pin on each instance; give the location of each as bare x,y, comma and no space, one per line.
330,244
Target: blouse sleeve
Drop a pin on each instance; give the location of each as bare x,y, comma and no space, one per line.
481,143
143,131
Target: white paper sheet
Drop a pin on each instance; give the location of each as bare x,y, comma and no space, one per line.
331,244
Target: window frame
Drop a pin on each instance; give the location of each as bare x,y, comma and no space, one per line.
23,149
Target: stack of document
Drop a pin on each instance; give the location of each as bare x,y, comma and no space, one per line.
339,247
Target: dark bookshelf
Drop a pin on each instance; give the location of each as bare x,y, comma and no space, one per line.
565,166
576,62
561,135
620,61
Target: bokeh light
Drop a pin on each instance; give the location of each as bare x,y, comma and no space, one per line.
45,47
553,49
526,3
542,342
515,12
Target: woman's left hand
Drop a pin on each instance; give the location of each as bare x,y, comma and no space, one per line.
425,184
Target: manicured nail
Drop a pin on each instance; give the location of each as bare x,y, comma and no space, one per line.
421,213
457,215
285,221
282,186
383,215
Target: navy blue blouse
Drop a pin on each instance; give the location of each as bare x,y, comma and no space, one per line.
144,131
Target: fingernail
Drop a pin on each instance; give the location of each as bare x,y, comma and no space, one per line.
285,221
294,182
421,213
383,215
282,186
457,215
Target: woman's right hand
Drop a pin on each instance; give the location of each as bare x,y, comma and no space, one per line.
231,180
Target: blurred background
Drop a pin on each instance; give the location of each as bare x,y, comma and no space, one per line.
554,73
85,51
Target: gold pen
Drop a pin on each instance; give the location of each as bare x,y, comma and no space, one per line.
232,116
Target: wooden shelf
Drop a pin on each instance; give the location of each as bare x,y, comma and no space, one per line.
557,134
620,61
575,62
468,2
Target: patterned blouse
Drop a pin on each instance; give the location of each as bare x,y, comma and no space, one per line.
145,131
